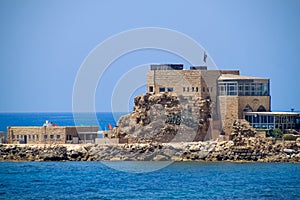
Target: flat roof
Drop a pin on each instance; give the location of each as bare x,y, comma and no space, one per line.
239,77
273,113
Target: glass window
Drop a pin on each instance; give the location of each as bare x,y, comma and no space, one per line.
162,89
197,89
255,119
265,89
264,119
45,137
248,118
151,89
51,137
170,89
241,90
247,89
193,89
253,93
277,119
222,90
57,137
231,89
259,89
270,119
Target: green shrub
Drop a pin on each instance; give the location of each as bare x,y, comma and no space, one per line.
276,133
289,137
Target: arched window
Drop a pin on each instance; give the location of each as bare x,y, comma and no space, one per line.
248,109
261,109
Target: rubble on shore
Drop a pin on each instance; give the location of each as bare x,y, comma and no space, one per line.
255,149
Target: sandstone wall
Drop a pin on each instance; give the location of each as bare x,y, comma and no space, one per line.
45,134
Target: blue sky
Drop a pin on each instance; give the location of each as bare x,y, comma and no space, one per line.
43,44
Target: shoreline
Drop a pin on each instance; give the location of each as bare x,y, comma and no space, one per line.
256,150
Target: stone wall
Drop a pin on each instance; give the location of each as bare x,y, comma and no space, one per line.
229,112
45,134
231,108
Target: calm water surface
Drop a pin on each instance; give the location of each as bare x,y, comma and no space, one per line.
185,180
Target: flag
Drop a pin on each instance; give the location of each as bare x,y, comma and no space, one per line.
204,57
109,126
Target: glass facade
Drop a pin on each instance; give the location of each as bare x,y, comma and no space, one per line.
243,88
271,121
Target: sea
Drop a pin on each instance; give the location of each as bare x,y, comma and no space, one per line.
117,180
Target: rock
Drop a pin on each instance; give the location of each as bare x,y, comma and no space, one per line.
162,118
289,151
160,158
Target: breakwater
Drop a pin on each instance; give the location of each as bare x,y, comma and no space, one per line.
255,149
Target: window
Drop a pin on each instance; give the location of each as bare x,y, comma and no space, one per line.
261,109
241,90
170,89
45,137
58,137
13,137
33,137
248,109
187,89
69,137
17,136
162,89
193,89
29,137
253,93
247,89
37,137
151,89
203,89
51,137
222,90
197,89
259,89
231,89
265,89
183,89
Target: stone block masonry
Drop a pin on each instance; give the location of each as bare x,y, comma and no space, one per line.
50,134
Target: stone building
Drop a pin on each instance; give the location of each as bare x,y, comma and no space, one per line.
2,137
233,96
51,134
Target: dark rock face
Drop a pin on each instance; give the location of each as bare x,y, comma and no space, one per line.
164,118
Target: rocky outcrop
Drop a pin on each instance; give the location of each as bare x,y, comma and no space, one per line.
164,118
255,149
